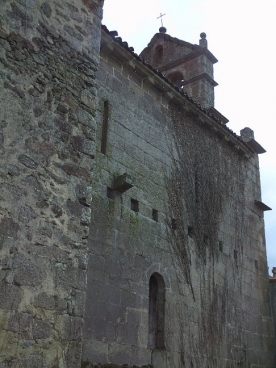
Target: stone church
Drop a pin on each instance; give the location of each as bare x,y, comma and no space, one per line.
131,218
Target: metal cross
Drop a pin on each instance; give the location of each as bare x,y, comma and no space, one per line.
161,15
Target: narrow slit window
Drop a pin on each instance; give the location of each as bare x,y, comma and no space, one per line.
155,215
110,193
134,205
173,225
190,231
104,127
220,246
156,311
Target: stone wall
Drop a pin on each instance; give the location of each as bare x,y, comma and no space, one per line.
272,287
207,243
48,59
74,291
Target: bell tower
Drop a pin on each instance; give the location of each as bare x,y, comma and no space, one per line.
186,65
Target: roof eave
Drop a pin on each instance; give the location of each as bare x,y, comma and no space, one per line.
169,91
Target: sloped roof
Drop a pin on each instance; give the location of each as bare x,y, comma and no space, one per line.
195,48
117,39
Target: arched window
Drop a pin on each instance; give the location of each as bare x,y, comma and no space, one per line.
158,56
156,311
176,78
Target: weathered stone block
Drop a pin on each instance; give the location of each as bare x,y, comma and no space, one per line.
26,214
12,170
41,329
69,277
84,193
10,296
51,302
134,317
26,272
21,323
73,354
46,10
72,169
32,361
119,354
95,351
84,145
72,327
8,229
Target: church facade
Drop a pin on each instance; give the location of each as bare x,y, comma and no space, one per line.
131,227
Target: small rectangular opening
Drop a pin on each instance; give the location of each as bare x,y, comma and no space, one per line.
104,127
256,264
155,215
235,254
110,193
190,231
134,205
173,226
220,246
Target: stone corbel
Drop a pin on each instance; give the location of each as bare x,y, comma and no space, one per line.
167,97
123,183
148,82
107,48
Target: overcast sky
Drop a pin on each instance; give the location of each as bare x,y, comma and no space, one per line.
241,34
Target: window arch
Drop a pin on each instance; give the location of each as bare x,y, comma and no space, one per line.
176,78
158,56
156,311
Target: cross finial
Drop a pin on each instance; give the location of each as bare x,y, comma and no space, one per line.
161,15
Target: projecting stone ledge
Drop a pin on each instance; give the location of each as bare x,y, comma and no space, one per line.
123,182
262,206
247,135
